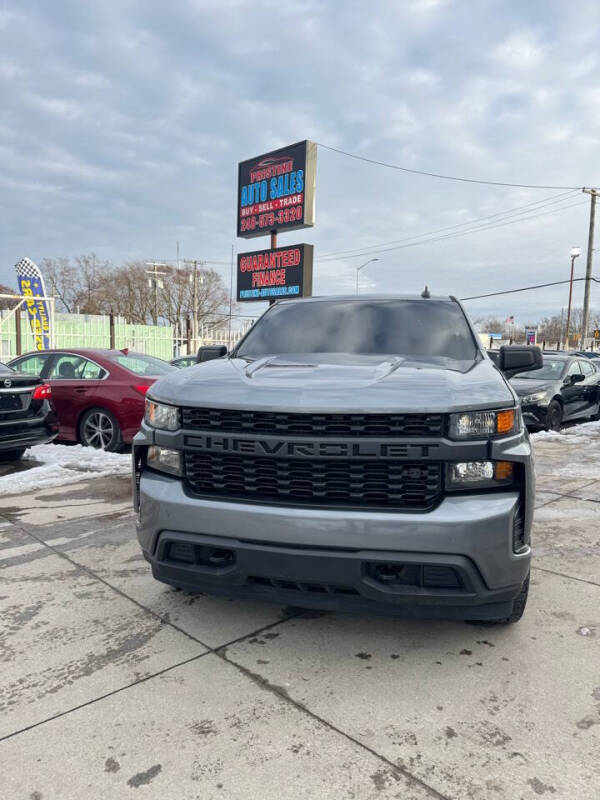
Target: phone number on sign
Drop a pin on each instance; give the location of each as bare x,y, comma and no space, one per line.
282,217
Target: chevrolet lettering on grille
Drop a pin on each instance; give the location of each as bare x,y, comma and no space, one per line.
278,448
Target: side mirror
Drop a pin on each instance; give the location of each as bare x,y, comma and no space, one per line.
519,359
210,351
575,378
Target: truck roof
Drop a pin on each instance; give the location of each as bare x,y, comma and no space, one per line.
354,297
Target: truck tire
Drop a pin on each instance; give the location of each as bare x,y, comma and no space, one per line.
11,455
554,416
518,608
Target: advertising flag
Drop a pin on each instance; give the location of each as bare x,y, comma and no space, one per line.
31,285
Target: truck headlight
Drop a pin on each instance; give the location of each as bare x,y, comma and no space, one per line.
479,474
536,397
164,460
481,424
161,416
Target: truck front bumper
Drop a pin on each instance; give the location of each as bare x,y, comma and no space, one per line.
454,562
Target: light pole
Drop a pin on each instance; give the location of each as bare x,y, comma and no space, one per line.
575,253
358,269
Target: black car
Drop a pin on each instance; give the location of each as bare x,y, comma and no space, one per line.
567,387
27,416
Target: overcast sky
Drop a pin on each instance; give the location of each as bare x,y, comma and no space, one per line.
123,122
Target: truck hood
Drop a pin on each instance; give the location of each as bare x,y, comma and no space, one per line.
336,383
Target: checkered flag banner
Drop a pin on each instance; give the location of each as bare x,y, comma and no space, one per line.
27,268
31,286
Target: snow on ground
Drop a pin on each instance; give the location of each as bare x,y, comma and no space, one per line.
57,464
49,465
578,448
577,434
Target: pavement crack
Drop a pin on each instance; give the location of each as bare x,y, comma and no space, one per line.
103,696
564,575
115,589
283,694
208,649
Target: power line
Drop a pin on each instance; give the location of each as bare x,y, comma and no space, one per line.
457,234
553,200
438,175
171,262
524,289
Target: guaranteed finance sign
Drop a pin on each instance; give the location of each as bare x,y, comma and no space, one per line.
273,274
276,191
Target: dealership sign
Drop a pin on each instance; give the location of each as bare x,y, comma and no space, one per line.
276,273
530,335
276,191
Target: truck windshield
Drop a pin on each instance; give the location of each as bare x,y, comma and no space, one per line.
422,328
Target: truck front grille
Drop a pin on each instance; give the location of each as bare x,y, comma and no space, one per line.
415,486
384,425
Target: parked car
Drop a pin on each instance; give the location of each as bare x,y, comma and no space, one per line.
567,387
184,361
98,394
26,413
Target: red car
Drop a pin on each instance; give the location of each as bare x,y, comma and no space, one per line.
98,394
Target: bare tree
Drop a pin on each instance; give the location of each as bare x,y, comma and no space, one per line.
6,302
62,282
129,295
79,286
489,324
91,286
94,277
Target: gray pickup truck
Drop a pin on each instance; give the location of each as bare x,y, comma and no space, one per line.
361,454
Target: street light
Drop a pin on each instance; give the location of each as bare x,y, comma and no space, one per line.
575,253
358,269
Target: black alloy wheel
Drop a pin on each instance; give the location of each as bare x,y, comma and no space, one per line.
554,416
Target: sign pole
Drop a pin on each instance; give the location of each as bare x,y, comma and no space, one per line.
273,246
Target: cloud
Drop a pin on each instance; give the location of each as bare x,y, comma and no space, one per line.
123,123
521,50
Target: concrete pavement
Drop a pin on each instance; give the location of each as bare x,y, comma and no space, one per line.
115,686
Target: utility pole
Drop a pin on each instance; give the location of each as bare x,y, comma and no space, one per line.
231,296
194,262
155,281
575,253
588,269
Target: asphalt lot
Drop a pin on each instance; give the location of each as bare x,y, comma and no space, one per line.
114,686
